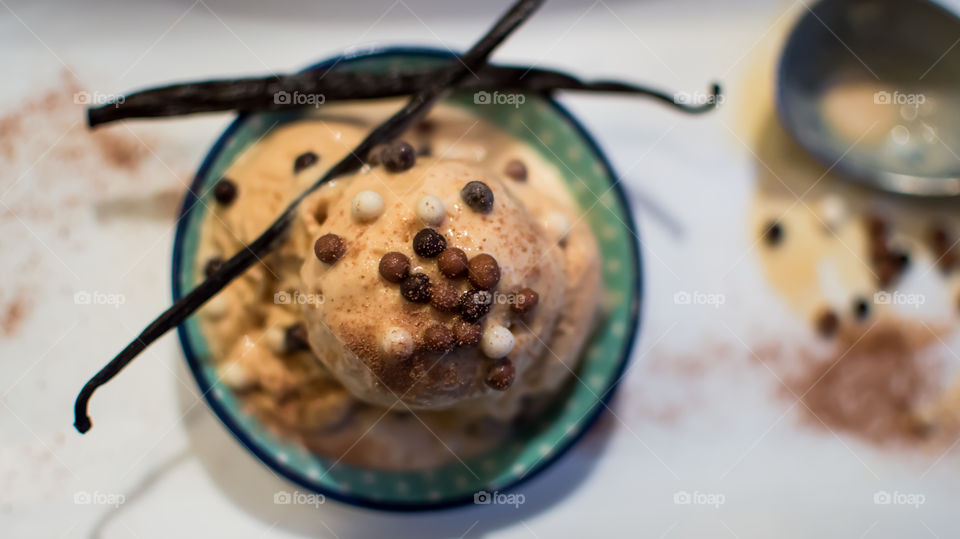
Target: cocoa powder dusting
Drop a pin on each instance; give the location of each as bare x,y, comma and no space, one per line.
884,382
50,162
13,314
58,177
57,114
119,151
875,383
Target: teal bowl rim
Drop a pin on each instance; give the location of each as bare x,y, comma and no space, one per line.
269,460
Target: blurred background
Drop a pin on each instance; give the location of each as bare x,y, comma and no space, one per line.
795,373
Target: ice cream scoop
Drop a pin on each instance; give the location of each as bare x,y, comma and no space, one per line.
389,341
449,283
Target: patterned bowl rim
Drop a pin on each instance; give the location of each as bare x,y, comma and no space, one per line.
247,439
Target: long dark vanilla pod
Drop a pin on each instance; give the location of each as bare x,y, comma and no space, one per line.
414,109
277,93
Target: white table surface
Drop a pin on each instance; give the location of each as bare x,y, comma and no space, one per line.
64,229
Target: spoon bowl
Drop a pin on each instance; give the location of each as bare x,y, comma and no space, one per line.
871,88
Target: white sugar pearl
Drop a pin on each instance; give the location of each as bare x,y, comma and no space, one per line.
275,337
497,342
366,206
397,342
558,225
235,376
216,306
430,210
834,211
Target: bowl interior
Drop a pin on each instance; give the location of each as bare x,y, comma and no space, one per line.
546,127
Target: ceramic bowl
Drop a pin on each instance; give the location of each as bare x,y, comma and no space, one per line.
553,131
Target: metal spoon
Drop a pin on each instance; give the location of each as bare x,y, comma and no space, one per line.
872,88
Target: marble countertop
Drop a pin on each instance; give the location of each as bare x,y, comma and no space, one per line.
87,229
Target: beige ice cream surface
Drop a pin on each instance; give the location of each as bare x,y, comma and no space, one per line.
345,395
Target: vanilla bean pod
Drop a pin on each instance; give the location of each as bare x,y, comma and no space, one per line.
414,109
279,93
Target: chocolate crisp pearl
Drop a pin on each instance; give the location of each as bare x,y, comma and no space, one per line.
225,191
475,304
212,265
329,248
304,160
467,333
879,250
445,298
827,323
398,156
478,196
886,272
774,234
948,261
517,170
295,338
426,127
438,338
877,226
394,266
501,375
901,259
484,272
939,238
453,263
941,242
416,288
524,300
861,309
429,243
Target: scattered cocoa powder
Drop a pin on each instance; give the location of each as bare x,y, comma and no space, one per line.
120,150
13,314
58,110
686,374
54,174
882,383
51,129
874,383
